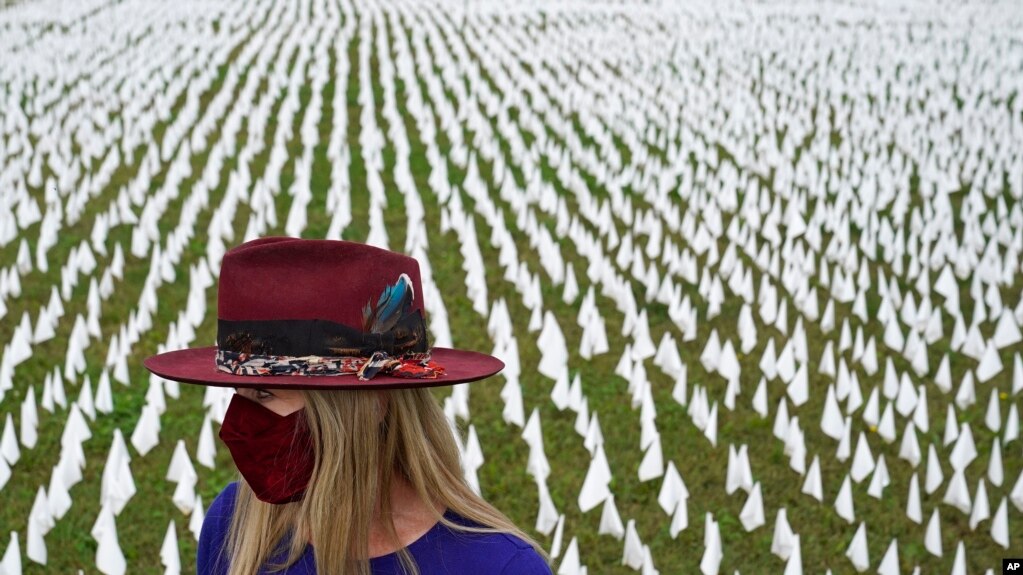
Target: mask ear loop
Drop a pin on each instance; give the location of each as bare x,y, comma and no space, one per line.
302,429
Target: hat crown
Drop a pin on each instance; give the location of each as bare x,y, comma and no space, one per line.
285,278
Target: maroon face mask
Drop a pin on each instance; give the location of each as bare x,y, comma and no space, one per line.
272,452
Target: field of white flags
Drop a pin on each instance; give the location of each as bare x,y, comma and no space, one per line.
754,268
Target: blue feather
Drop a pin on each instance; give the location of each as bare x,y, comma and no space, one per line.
394,302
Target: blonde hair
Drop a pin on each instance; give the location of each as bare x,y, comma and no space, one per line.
353,468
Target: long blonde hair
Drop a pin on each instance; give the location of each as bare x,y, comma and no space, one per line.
356,456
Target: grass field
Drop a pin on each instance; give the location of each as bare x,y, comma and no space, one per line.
631,108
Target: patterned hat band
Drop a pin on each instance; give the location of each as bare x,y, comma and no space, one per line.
394,342
413,366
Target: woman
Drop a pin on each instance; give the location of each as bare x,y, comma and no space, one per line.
347,463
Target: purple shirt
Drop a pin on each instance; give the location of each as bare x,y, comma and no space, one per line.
440,551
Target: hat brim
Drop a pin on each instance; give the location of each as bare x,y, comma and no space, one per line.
197,366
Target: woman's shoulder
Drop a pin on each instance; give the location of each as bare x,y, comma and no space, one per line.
513,555
221,508
497,553
209,557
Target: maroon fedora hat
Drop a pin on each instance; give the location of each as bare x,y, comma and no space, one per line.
320,314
